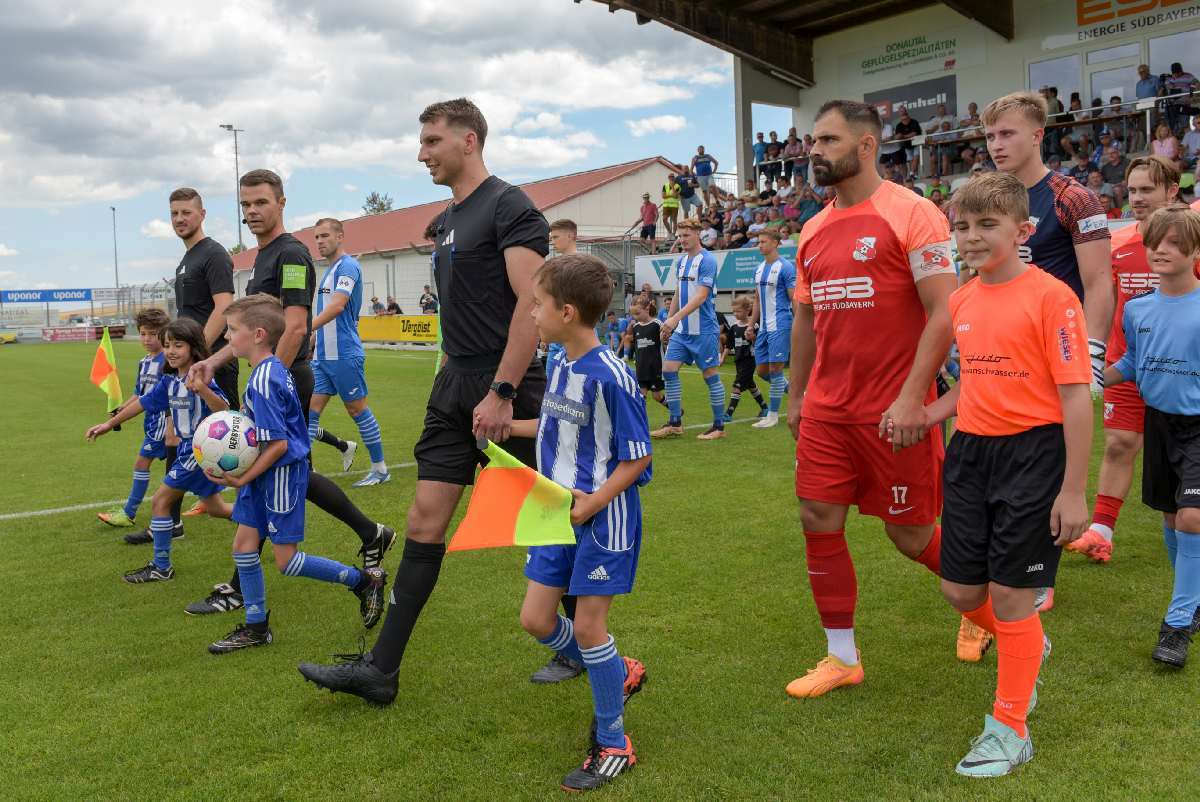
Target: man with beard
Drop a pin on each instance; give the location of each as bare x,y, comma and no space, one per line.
874,279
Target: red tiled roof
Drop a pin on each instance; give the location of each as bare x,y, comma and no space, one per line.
405,228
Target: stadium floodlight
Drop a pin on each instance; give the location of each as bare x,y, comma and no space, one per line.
237,206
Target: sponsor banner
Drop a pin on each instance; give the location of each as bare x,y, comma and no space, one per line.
109,295
43,296
735,269
65,334
920,98
921,53
1100,19
399,328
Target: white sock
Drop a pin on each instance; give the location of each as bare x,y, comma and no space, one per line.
841,645
379,467
1102,530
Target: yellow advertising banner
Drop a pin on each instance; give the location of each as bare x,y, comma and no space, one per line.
399,328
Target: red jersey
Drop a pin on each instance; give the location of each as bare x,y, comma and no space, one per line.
1131,278
858,268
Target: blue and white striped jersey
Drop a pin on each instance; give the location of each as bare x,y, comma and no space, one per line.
187,409
693,272
338,339
593,418
271,401
150,370
775,283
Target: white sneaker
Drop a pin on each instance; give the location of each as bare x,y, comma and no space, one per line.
772,419
348,455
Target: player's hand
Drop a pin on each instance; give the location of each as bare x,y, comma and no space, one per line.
793,418
97,430
581,507
201,371
751,334
493,418
904,423
1068,517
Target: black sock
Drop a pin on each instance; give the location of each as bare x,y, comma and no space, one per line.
323,492
415,578
735,398
330,439
758,397
236,582
568,603
260,626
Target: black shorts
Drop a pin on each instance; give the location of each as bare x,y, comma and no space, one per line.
653,384
226,378
647,232
997,497
744,379
446,451
1171,461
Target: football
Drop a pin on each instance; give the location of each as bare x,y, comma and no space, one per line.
225,444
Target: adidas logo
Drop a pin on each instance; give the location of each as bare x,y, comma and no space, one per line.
599,575
341,575
617,724
271,528
253,609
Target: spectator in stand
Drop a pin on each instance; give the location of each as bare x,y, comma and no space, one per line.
760,222
942,116
376,307
971,120
670,204
773,166
1106,142
1070,137
1111,210
1165,144
1053,104
1096,113
749,196
709,237
795,161
967,155
760,155
647,218
905,129
742,211
935,184
943,155
911,183
775,218
687,192
428,302
393,308
703,166
1112,169
718,221
1054,165
890,152
982,159
936,199
1191,144
1080,169
736,235
1148,85
784,190
1179,109
768,192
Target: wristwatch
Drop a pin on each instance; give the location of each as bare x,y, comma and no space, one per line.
505,390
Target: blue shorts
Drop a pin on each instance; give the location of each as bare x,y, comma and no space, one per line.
701,350
154,449
601,563
341,377
274,503
185,474
773,346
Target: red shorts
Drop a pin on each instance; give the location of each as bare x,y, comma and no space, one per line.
1124,408
849,464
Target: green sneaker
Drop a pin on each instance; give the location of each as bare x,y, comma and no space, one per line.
996,752
115,517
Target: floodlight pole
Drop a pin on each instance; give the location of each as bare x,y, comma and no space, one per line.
237,174
116,270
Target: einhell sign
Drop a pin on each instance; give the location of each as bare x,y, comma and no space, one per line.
1100,18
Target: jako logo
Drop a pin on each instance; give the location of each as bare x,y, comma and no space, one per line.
838,289
1089,12
1192,491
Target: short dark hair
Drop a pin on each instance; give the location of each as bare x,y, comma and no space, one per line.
186,194
256,178
332,222
564,224
580,280
260,311
856,113
153,318
186,330
459,112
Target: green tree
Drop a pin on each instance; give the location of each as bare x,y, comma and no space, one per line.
377,204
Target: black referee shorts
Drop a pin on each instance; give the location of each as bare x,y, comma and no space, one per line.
446,450
997,497
226,378
1171,461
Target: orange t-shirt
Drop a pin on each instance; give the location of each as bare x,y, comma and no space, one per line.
858,268
1017,342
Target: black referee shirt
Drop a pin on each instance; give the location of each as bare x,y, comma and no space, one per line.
205,270
284,268
472,282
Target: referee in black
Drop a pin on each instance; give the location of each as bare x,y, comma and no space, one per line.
284,269
489,242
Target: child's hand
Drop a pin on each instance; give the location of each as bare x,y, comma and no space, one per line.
581,508
97,430
229,481
1068,517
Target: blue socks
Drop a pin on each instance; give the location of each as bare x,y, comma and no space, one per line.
314,426
254,587
1170,540
141,481
368,430
606,673
160,530
562,640
674,396
1187,580
326,570
716,399
777,388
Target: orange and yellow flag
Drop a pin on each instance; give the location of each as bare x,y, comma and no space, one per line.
104,372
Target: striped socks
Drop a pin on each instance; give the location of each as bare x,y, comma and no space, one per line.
314,426
141,481
368,429
160,530
777,389
674,396
322,568
562,640
606,673
254,586
716,399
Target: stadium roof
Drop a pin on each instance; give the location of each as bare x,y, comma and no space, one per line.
777,35
403,229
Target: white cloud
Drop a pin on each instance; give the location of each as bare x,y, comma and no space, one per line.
157,229
7,251
349,188
305,220
543,121
663,123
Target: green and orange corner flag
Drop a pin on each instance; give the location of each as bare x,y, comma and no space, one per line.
104,372
514,505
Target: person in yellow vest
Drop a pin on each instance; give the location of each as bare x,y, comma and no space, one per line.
670,204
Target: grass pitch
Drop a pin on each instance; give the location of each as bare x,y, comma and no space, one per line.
108,692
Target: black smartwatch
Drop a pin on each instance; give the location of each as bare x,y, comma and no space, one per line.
505,390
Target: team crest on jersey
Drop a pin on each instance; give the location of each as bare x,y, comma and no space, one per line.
864,249
1108,410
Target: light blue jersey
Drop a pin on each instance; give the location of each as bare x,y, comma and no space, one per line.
775,283
1162,354
150,371
693,272
271,402
338,339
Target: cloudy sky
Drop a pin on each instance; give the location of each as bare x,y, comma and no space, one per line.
106,104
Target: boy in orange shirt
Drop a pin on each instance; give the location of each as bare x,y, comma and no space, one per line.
1016,469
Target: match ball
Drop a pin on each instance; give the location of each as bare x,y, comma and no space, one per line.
225,444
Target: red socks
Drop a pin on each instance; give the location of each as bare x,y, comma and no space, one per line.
1107,510
1019,648
831,575
931,557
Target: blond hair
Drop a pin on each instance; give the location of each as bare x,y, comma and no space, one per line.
993,193
260,311
1029,104
1163,172
689,223
1185,222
